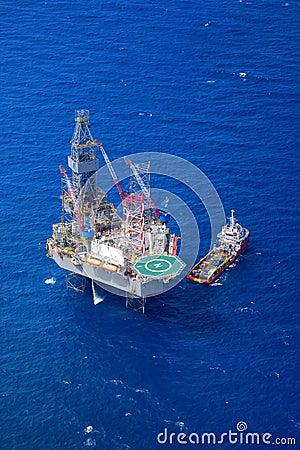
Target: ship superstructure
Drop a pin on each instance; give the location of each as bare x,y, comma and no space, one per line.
133,254
232,241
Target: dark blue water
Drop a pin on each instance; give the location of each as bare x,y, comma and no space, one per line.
202,358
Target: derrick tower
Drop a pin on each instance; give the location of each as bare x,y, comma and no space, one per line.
83,160
134,205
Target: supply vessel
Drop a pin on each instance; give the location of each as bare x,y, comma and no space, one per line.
132,253
232,241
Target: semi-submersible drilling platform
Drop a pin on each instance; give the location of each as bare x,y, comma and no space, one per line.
134,255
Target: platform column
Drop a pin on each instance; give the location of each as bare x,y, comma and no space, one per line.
76,282
135,301
137,304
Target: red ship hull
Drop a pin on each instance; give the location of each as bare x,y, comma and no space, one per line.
221,269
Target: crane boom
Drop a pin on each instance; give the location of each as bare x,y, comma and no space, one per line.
73,196
142,186
111,170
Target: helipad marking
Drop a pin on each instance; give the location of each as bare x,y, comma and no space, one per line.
158,265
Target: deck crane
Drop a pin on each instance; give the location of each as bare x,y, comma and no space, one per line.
111,170
71,192
142,186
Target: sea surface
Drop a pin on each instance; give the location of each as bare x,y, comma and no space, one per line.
216,83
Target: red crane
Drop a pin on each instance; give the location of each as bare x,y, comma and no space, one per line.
142,186
111,170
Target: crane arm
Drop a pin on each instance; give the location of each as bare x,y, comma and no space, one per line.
142,186
111,170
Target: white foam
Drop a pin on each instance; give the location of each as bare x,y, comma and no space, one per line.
143,391
145,114
180,425
116,381
96,298
51,280
90,442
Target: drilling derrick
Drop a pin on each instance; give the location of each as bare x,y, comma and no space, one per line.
83,160
132,255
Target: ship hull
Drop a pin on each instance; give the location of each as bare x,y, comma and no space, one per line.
219,269
114,282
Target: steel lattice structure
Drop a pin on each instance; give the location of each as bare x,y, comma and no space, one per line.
133,210
134,206
83,160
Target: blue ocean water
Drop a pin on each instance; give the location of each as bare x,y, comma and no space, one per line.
219,83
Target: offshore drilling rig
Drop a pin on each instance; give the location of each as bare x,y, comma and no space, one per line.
134,255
